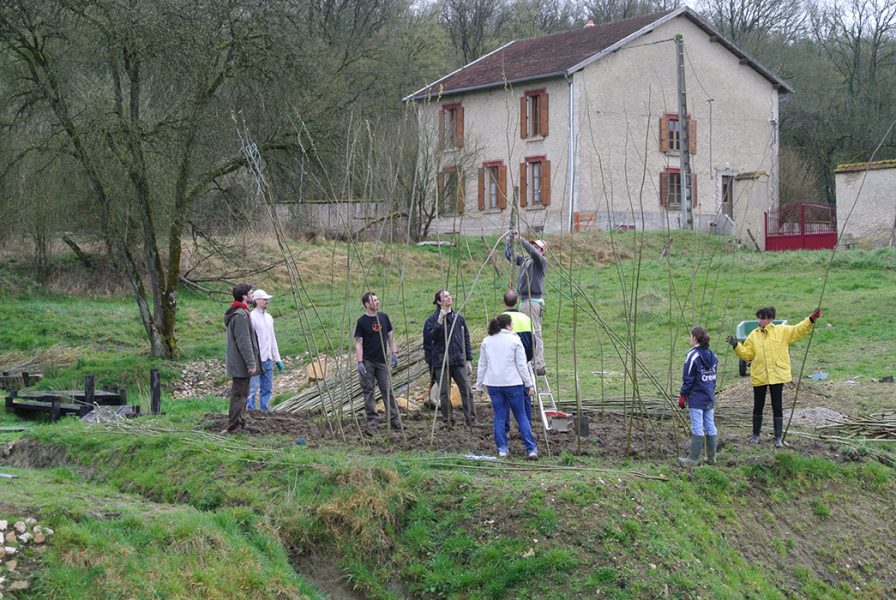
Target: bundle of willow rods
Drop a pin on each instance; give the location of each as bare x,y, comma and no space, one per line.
341,393
879,426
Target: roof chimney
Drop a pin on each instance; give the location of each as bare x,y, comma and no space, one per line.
590,23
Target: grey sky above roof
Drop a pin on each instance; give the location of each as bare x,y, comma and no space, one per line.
555,55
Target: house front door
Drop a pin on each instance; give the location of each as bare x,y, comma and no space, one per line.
728,196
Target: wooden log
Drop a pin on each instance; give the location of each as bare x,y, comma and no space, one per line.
89,389
155,392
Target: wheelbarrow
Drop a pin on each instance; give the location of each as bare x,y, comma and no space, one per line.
743,330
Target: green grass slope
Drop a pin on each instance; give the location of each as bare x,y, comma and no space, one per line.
158,508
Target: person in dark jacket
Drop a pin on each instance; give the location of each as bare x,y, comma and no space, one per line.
242,357
698,393
447,350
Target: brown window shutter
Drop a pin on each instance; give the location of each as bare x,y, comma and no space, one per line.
440,188
524,131
442,128
664,188
664,133
480,199
459,127
692,136
545,183
461,193
543,114
693,191
502,186
523,184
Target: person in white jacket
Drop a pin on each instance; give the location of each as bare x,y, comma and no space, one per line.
263,323
502,369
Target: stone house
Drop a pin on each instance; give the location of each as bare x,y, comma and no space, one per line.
581,129
866,201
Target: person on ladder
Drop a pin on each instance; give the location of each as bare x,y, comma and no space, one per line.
530,287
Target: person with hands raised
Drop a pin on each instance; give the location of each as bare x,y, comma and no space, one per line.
768,347
530,288
698,393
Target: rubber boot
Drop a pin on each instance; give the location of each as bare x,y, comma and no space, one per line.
693,458
757,427
711,449
779,432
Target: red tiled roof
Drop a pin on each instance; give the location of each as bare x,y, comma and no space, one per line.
535,57
554,55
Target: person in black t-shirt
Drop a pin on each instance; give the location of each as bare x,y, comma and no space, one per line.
373,334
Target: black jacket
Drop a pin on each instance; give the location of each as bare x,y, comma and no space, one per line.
434,336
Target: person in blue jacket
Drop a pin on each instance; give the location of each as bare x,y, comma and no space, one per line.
698,393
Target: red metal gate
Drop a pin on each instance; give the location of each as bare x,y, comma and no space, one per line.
801,227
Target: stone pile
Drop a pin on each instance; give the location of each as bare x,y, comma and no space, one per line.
23,538
209,378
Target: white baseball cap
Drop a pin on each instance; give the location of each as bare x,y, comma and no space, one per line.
261,295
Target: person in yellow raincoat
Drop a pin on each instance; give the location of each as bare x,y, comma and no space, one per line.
768,347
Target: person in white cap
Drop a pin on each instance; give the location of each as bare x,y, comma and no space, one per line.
530,288
263,323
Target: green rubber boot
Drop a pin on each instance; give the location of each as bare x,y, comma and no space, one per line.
711,449
693,458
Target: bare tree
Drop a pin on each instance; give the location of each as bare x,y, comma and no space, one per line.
532,18
859,37
137,117
473,25
739,18
607,11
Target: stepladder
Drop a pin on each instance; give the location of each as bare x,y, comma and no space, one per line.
551,418
544,397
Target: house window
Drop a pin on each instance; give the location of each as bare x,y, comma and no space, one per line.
534,114
492,186
450,192
451,125
670,134
670,189
535,182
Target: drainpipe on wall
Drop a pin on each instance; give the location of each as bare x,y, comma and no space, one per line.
571,168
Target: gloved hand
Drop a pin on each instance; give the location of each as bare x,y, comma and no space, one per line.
682,401
393,360
815,314
731,340
469,368
362,370
279,366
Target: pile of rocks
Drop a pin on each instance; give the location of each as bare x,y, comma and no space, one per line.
209,378
24,537
201,378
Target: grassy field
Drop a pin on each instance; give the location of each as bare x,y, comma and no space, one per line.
159,508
